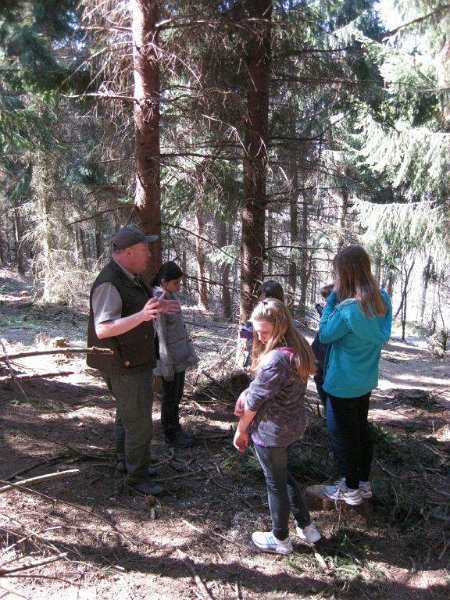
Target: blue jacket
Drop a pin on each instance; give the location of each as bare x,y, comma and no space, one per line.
351,365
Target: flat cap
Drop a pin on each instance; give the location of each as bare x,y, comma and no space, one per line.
129,236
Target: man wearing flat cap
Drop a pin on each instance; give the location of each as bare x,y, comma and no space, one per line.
120,318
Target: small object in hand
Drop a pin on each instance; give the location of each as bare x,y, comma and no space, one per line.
246,331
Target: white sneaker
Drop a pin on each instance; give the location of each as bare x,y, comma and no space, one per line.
267,542
365,487
340,491
309,534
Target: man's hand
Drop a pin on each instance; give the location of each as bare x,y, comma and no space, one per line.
151,310
154,308
169,307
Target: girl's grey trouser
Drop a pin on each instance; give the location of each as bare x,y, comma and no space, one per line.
283,491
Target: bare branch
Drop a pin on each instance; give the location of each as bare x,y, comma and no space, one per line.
92,350
436,11
25,567
36,376
103,95
10,486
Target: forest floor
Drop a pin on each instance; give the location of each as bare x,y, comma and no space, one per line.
73,536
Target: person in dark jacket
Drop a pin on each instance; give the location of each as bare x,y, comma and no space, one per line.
268,289
320,351
120,318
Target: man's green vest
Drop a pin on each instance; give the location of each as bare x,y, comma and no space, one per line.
134,351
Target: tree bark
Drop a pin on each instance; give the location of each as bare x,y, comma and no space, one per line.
343,214
305,263
406,274
426,277
46,237
255,160
269,237
144,14
222,240
201,264
20,255
293,214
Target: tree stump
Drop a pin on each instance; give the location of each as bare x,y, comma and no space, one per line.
315,499
60,342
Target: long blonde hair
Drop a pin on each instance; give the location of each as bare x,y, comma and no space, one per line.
354,279
275,312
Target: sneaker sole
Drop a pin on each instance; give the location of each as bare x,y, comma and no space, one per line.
353,502
302,539
348,501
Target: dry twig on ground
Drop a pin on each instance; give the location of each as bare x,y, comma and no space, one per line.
190,566
36,479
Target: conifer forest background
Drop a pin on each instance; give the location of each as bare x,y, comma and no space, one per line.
256,137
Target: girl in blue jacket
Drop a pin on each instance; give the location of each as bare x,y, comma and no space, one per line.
356,322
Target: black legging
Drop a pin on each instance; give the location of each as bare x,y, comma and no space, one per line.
351,419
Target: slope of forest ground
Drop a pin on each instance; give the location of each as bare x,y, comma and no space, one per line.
86,541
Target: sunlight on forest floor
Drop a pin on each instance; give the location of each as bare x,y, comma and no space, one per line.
113,547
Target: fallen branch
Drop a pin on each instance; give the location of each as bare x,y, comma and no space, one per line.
11,370
93,350
444,549
213,533
36,376
39,478
109,454
321,561
190,566
383,468
72,505
217,436
31,535
13,592
38,576
218,384
25,567
177,476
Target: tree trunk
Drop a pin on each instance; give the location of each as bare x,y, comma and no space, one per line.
222,240
343,213
305,267
293,213
45,241
390,283
98,242
404,297
20,255
255,160
144,14
269,240
427,272
83,246
46,247
201,264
